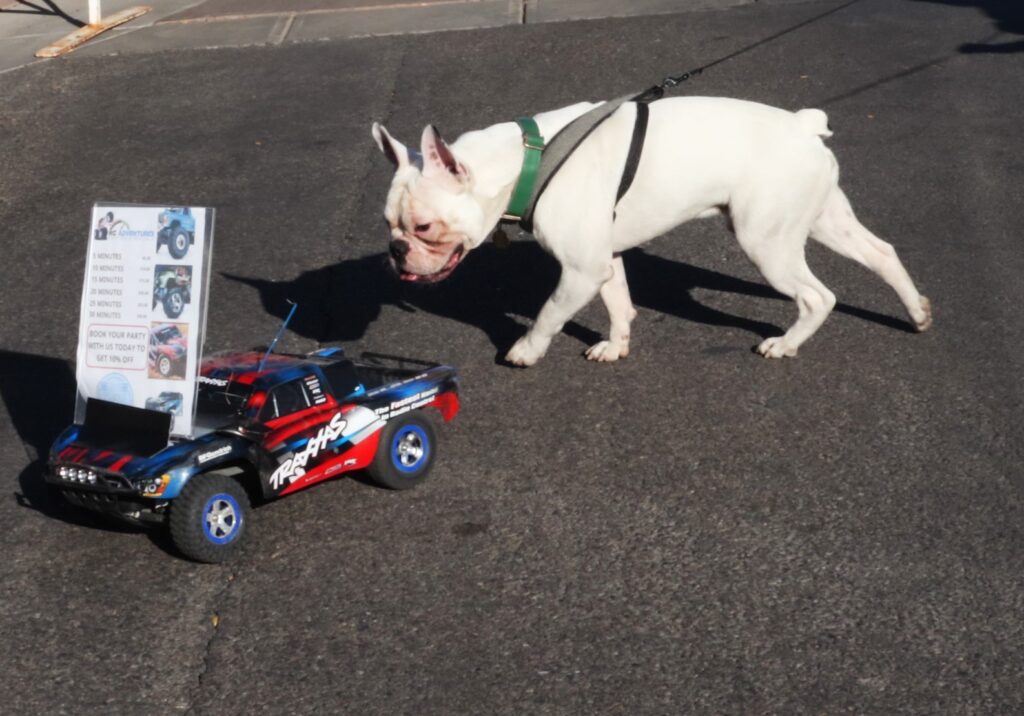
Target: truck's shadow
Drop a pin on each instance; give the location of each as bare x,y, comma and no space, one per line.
39,394
495,290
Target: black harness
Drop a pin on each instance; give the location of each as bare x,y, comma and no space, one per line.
572,135
569,139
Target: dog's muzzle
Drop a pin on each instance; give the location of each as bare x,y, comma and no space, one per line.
439,275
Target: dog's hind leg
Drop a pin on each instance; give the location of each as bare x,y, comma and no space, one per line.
615,294
791,276
839,229
778,252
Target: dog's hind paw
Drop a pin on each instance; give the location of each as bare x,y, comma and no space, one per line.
776,347
607,352
923,321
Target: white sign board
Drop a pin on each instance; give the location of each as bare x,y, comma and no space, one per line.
143,315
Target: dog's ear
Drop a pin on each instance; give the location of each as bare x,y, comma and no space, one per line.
396,152
438,161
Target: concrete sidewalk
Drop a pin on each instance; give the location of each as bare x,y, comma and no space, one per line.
28,25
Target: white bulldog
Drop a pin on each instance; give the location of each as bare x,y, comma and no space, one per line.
767,169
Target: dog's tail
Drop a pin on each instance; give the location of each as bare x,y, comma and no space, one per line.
814,121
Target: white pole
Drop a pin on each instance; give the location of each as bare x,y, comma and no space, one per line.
95,15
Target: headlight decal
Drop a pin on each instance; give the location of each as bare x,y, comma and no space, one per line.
154,486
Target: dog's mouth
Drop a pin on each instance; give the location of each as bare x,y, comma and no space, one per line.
439,275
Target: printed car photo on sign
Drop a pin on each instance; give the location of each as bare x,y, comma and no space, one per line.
168,401
177,231
168,350
172,289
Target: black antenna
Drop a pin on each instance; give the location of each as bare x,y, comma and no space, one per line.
280,332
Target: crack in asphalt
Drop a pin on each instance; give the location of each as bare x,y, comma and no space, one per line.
208,647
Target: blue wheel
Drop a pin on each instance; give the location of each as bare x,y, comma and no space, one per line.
222,518
410,448
209,517
406,452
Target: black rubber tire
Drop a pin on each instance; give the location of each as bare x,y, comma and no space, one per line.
190,531
174,302
164,366
388,468
178,243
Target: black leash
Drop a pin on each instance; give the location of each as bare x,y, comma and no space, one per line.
658,91
565,142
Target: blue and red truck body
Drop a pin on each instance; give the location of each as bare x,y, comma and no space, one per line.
273,424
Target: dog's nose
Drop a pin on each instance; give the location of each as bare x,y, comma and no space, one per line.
399,249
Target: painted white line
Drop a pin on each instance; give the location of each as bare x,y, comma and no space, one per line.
18,67
324,11
281,29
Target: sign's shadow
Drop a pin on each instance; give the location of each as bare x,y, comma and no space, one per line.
39,394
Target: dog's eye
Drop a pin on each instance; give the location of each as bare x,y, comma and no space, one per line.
421,228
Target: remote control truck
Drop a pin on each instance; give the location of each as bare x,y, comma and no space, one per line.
266,426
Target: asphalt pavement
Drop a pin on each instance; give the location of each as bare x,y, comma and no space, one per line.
29,25
691,530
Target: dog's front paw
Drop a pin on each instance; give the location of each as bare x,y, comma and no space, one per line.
775,347
607,351
523,353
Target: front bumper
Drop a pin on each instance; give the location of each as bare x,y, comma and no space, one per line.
104,492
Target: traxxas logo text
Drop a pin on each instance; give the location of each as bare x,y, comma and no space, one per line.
295,467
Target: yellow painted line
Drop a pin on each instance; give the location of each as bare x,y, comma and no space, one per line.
84,34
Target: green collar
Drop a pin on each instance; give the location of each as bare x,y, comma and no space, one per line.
533,147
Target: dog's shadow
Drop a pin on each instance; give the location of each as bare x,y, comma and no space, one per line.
497,290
